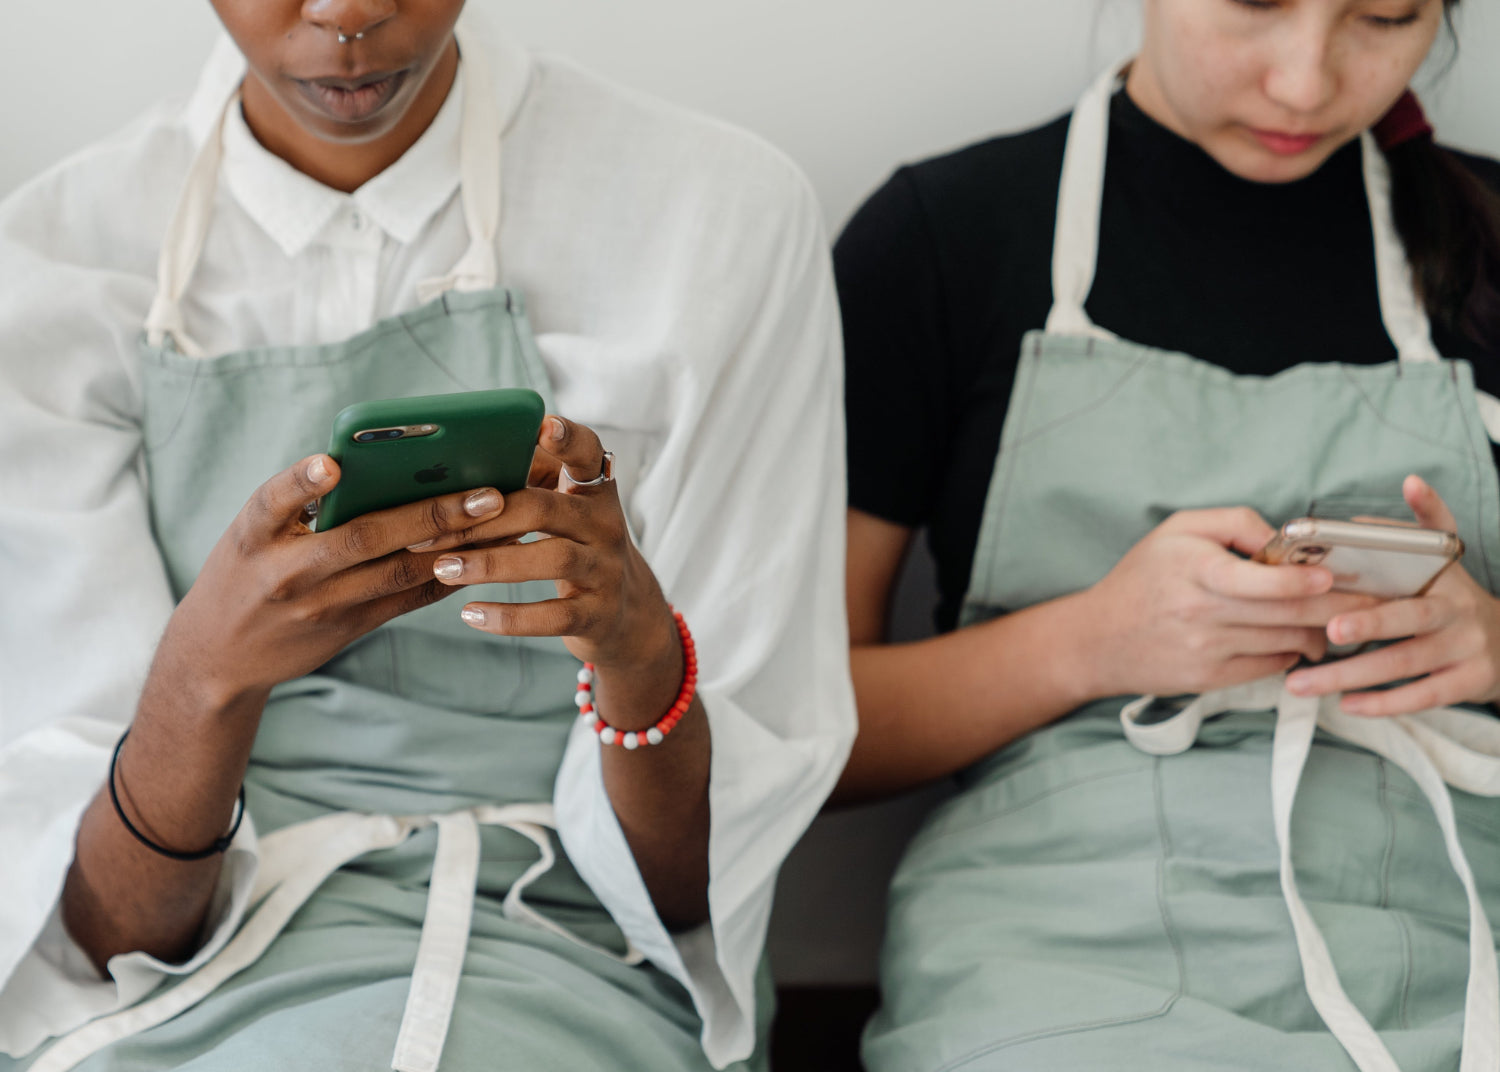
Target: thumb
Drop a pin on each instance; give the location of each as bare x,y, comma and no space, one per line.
281,501
1428,506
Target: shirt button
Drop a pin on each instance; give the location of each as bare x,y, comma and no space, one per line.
356,221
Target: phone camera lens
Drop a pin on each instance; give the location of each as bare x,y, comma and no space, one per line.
393,433
364,437
1305,555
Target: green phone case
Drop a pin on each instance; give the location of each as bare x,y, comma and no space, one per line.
484,439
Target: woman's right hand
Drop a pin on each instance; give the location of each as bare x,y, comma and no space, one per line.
1182,613
275,600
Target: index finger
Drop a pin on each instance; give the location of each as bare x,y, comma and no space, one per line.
412,525
1238,578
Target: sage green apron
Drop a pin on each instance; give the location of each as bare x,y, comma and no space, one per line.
1084,904
424,739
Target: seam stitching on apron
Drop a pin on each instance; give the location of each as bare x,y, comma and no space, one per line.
1102,400
1382,771
429,355
1404,1014
1161,885
1117,1021
152,448
992,817
1467,820
1054,1032
1390,831
1382,419
345,353
990,522
1463,413
394,663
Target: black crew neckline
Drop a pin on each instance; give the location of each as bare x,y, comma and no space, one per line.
1195,182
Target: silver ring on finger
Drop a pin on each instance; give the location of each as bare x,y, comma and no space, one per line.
606,474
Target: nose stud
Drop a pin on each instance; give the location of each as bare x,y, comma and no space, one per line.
344,38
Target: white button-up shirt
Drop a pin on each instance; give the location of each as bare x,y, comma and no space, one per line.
676,272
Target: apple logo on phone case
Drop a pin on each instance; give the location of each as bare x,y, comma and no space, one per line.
432,476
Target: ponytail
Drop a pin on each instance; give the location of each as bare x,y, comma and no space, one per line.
1449,221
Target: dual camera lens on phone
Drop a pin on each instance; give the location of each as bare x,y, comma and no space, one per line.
383,433
402,431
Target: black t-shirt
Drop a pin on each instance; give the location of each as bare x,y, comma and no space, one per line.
949,264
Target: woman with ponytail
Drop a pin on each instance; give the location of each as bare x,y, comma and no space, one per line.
1100,362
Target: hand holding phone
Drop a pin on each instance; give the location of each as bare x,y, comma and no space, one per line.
1444,642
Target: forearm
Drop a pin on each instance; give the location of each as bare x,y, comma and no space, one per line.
660,792
178,778
929,708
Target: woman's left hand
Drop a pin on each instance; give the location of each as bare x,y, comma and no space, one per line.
1448,640
609,608
610,612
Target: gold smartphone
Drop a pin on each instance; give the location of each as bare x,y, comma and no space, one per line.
1373,557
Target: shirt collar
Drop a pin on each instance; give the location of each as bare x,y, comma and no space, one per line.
293,208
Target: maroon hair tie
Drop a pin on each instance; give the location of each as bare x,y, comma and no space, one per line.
1404,122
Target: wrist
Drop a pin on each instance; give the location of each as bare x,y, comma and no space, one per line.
635,687
1081,664
182,684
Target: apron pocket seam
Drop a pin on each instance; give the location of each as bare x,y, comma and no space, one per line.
1168,931
994,816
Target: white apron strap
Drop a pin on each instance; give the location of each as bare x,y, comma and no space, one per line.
450,911
1296,721
479,180
1436,748
479,183
1402,310
533,821
1080,201
344,837
182,245
440,952
296,860
1431,758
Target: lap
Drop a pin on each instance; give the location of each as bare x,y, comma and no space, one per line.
330,996
1080,896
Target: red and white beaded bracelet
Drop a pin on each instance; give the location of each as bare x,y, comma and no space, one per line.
633,739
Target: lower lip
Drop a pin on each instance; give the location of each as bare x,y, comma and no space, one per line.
1287,144
352,105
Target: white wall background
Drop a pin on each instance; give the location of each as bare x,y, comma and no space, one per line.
847,87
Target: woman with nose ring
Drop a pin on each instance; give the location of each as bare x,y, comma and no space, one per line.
284,798
1100,361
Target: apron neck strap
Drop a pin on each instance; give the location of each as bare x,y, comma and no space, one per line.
1400,306
1080,200
479,187
1075,247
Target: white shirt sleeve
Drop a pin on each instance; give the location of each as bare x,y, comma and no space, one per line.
90,597
744,522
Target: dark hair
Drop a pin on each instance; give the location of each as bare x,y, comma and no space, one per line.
1449,221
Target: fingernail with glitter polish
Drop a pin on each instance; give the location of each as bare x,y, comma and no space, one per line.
482,502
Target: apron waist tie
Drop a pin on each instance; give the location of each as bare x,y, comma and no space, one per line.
1437,748
296,860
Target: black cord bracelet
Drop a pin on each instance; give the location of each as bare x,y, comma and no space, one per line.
219,845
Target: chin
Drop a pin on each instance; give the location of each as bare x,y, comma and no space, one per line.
341,132
1254,164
